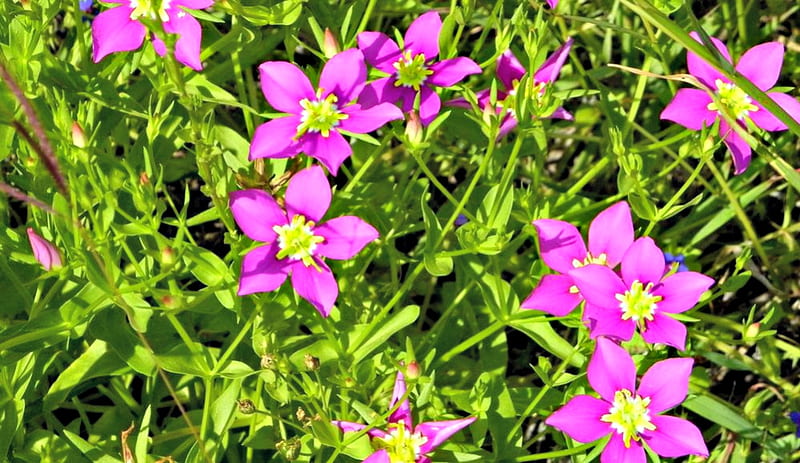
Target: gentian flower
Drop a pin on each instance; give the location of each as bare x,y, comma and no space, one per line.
316,117
629,414
695,109
412,69
295,244
563,250
795,417
679,259
510,72
403,442
85,5
616,306
44,251
120,29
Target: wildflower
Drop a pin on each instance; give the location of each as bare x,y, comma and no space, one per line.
84,5
795,417
640,298
672,260
316,117
412,70
695,109
629,414
120,28
510,72
44,251
295,244
552,4
403,442
563,250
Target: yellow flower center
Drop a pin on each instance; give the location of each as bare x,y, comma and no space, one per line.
411,72
153,9
629,416
637,303
297,240
401,445
734,99
319,115
601,259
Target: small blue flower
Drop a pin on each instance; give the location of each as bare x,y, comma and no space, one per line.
795,417
84,5
461,220
679,258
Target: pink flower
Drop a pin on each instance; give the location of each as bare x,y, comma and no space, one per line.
411,69
563,250
695,109
510,72
119,28
552,4
316,117
640,298
44,251
629,414
404,442
295,244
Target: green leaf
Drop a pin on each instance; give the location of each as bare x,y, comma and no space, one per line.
540,330
720,412
436,265
282,13
499,206
399,320
205,265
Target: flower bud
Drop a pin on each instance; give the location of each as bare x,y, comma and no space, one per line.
412,370
414,131
301,415
78,136
311,362
290,449
44,251
167,257
269,361
246,406
330,46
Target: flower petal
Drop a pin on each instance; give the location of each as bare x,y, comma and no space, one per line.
666,383
553,296
611,233
44,251
381,456
643,261
608,322
344,75
284,85
762,64
344,237
308,194
316,286
664,329
560,243
699,68
551,68
617,452
331,151
689,108
379,91
508,124
740,150
580,418
422,36
256,212
681,291
429,105
275,139
599,285
439,431
449,72
261,272
767,121
610,369
379,50
366,120
113,30
187,48
561,113
675,437
403,412
509,69
349,426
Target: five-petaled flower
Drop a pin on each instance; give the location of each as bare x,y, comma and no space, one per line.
694,109
295,241
563,250
403,442
629,414
44,251
120,28
616,306
411,69
316,116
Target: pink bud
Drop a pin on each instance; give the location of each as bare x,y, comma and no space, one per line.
412,370
414,127
44,251
330,46
78,136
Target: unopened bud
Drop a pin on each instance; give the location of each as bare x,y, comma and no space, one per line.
44,251
301,415
78,136
349,382
330,46
414,129
751,333
412,370
290,449
269,361
246,406
167,257
144,179
311,362
170,302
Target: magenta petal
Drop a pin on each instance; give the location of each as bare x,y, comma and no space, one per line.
767,121
256,212
344,237
344,75
608,322
701,69
439,431
552,4
551,68
284,85
331,151
580,418
644,262
316,286
675,437
508,124
403,412
449,72
422,36
599,285
689,108
740,150
665,330
379,50
509,69
666,383
381,456
616,452
681,291
261,272
553,296
560,244
379,91
611,369
275,139
429,105
44,251
187,48
366,120
113,30
561,113
611,233
308,194
348,426
762,64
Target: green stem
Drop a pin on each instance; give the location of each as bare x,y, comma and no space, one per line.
469,342
558,453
